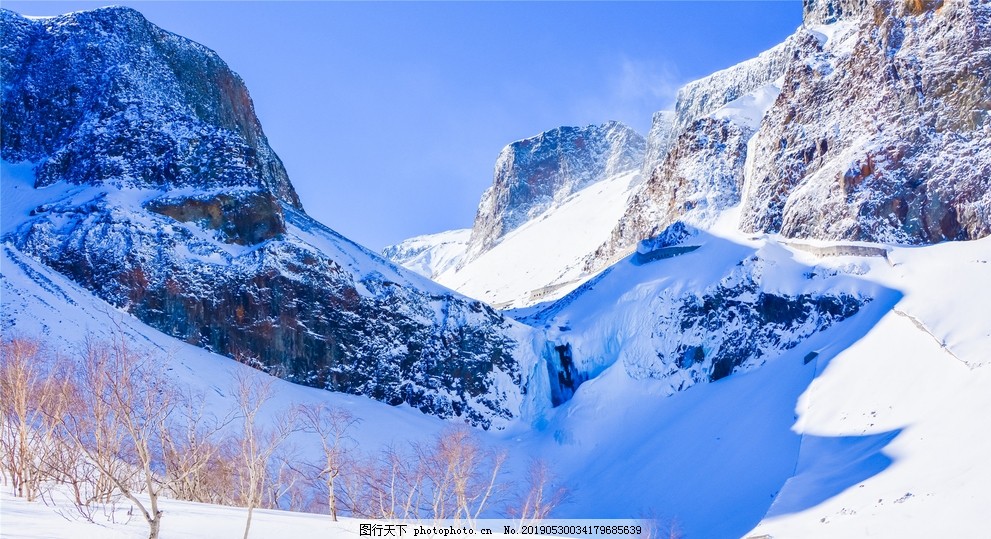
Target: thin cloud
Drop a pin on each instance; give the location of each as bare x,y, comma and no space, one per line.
633,90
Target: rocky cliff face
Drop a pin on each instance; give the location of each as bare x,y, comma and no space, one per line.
659,141
703,97
693,167
830,11
170,112
879,133
534,174
701,176
881,130
182,215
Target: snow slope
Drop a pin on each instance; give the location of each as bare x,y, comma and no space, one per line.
542,259
882,433
430,254
919,382
107,222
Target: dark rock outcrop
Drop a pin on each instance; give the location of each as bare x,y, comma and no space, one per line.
733,326
242,218
830,11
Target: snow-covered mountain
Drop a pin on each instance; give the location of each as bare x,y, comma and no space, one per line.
430,254
554,198
881,131
789,385
536,174
543,258
845,433
873,424
813,139
139,171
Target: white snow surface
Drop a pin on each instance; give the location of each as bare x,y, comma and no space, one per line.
749,109
181,520
542,259
430,254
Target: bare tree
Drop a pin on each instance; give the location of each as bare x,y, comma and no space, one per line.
654,527
331,426
461,474
191,447
543,494
259,439
34,390
453,477
120,422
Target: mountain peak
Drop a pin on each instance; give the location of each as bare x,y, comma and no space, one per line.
172,106
535,174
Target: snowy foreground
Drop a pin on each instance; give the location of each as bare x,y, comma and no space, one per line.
883,434
182,520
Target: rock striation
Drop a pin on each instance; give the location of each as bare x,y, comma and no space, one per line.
830,11
881,133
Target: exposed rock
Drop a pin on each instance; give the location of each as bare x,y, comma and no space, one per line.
709,336
105,95
241,218
830,11
684,329
882,132
535,174
695,156
185,218
289,308
676,234
659,141
701,176
705,96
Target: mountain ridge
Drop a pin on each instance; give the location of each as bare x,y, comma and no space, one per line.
183,216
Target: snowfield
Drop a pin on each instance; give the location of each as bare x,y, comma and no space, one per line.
430,254
182,520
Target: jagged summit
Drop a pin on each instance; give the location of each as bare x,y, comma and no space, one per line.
535,174
869,123
830,11
105,95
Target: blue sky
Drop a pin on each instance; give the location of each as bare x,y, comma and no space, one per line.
389,116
